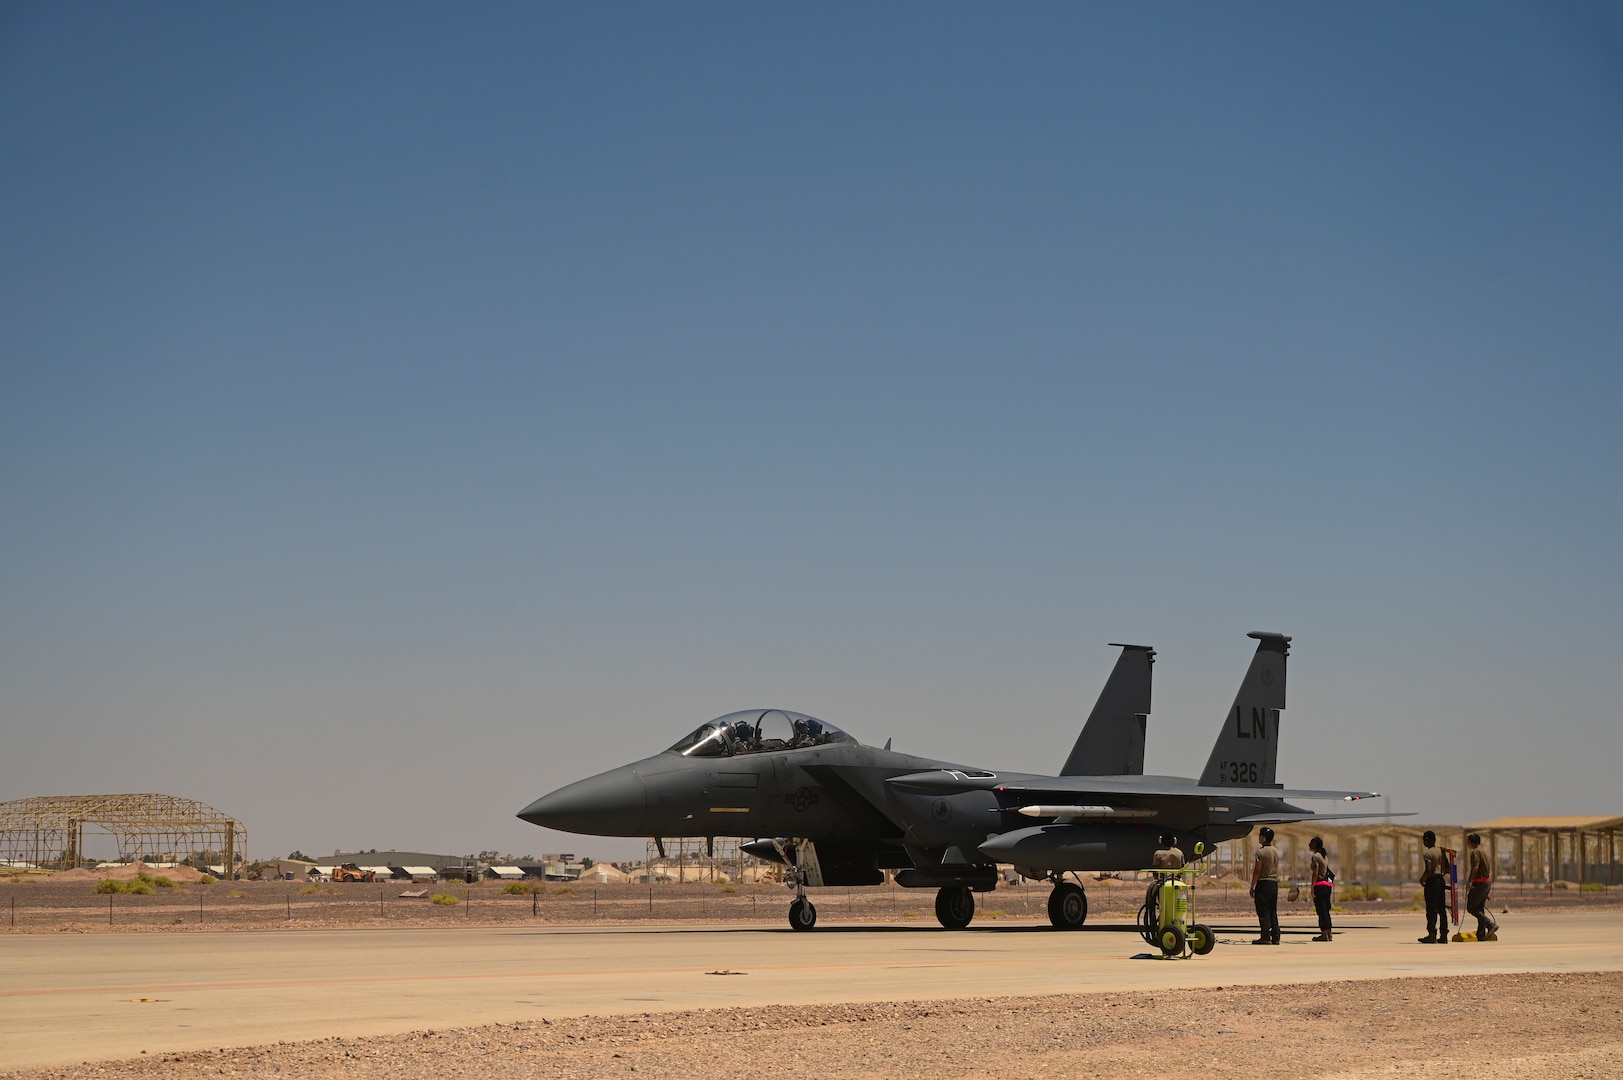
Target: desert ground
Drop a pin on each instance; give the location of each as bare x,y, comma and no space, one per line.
375,984
1517,1027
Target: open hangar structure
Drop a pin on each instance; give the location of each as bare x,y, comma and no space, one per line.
1580,849
48,831
1526,850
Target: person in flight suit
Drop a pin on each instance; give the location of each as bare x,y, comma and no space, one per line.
1265,888
1434,880
1319,871
1170,856
1481,878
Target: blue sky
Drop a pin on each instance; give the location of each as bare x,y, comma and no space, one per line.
480,400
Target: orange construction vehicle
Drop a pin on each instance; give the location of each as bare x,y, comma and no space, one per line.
351,872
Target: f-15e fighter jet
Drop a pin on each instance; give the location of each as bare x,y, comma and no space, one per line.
836,812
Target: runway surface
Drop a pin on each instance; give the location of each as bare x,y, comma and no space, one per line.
72,998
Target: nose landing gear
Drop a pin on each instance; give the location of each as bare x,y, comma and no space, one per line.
800,859
802,913
1067,905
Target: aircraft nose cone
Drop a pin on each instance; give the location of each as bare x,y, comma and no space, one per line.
609,804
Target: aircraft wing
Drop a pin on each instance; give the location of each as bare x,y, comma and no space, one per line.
847,795
954,780
1211,791
1286,819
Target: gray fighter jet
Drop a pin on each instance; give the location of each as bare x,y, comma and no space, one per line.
836,812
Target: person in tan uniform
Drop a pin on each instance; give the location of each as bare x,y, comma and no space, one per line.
1170,856
1265,887
1481,878
1319,871
1434,880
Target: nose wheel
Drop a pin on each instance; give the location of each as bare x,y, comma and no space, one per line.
954,907
802,914
1067,906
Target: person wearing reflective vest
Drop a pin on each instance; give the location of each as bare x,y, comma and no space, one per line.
1481,878
1319,871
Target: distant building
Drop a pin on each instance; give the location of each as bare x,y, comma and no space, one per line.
397,858
414,873
503,873
602,874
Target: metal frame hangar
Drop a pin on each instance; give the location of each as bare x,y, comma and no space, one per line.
48,831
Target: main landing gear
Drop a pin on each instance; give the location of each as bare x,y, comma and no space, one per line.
1067,905
954,906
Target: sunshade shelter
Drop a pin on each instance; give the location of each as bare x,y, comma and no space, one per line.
602,874
1579,849
49,830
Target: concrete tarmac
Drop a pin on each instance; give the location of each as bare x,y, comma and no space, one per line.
73,998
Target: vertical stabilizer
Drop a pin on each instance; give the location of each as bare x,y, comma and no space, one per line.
1112,741
1247,749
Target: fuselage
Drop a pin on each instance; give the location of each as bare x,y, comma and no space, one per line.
833,794
846,798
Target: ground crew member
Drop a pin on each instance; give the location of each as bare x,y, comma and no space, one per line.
1434,880
1319,871
1476,901
1265,888
1170,856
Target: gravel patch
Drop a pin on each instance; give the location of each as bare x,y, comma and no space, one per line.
1511,1026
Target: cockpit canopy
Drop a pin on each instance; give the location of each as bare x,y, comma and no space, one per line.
756,731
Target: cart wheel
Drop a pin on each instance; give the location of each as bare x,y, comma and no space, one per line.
1201,939
1171,940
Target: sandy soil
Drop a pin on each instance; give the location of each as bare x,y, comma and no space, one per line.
68,903
1500,1026
1511,1026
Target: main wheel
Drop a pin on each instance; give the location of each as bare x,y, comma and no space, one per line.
802,915
954,907
1170,939
1201,939
1067,906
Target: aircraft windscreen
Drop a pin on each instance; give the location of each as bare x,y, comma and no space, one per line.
756,731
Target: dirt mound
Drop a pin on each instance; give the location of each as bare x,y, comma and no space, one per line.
184,875
76,874
124,872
